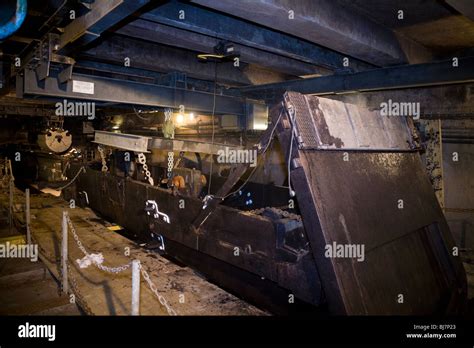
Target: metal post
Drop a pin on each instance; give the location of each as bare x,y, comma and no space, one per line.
27,211
135,287
64,253
10,215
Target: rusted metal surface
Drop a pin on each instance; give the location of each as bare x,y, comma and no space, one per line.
375,197
260,252
383,201
324,123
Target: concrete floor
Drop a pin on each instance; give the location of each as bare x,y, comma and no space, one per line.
26,287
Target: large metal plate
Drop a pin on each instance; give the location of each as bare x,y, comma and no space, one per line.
378,200
129,142
328,124
357,202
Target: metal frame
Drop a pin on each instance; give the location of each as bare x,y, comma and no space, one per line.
405,76
126,92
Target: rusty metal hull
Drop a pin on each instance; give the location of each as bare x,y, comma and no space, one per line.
260,252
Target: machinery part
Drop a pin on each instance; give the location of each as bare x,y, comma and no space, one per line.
178,182
50,169
55,140
408,232
16,21
189,181
329,195
335,125
151,207
226,231
210,203
160,240
86,196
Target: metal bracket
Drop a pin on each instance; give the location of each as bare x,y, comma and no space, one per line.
151,207
161,241
206,201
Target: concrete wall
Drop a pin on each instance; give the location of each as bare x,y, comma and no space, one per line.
459,192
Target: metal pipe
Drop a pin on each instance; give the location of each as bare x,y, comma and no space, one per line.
27,212
64,253
15,22
10,204
135,287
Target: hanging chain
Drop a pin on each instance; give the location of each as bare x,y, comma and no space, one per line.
102,157
122,268
142,161
170,164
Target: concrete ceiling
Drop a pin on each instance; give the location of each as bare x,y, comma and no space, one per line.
434,24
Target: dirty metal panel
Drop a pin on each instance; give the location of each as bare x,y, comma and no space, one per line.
327,124
123,202
381,205
358,203
129,142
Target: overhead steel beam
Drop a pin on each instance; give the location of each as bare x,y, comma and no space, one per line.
166,59
450,101
323,22
217,26
163,34
122,141
101,89
103,15
405,76
140,143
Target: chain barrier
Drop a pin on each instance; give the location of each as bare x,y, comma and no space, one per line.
72,280
119,269
154,289
75,289
114,270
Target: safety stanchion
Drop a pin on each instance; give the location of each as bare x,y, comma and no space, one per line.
64,253
135,287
